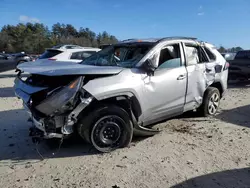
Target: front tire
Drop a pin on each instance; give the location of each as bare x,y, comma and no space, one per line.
107,128
210,103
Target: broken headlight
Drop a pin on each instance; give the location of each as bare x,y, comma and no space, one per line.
61,99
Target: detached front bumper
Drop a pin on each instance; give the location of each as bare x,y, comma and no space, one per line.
40,127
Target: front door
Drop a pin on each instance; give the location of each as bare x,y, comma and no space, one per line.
165,90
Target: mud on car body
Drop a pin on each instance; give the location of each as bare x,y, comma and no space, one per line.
121,90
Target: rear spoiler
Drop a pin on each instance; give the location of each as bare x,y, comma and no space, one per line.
54,49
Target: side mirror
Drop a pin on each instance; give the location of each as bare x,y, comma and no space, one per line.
149,66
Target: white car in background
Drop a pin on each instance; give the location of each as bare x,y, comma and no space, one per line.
69,53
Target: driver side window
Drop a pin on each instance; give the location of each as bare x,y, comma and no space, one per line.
170,57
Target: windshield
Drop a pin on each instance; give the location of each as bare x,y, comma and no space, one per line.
124,55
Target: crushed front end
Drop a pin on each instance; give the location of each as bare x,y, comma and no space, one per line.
53,103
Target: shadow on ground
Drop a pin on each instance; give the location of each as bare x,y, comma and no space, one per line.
238,84
10,75
238,178
237,116
7,92
17,147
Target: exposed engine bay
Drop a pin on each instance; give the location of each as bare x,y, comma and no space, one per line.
53,103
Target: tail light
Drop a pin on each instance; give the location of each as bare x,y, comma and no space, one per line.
226,66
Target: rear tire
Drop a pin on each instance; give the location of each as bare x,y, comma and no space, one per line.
107,128
210,103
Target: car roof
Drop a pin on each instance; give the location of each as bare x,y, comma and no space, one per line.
155,40
66,47
76,49
83,49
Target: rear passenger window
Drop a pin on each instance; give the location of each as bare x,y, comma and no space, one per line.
50,54
210,54
194,55
170,57
87,54
76,55
82,55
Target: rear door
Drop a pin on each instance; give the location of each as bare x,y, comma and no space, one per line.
197,80
216,66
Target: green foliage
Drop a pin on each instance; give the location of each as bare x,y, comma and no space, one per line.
234,49
34,38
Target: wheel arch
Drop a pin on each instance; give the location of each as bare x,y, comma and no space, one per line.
128,102
218,85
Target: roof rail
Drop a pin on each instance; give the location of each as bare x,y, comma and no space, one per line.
177,37
126,40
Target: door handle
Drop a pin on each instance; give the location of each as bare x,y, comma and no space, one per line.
181,77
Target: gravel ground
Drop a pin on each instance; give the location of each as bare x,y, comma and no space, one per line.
189,152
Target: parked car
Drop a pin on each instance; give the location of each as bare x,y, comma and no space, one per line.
240,66
119,91
21,58
69,53
34,57
10,61
229,55
104,46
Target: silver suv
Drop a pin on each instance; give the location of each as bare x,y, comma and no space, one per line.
121,90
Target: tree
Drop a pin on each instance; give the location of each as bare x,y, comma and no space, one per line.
34,38
222,49
236,49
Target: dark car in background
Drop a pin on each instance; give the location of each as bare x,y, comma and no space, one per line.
10,61
6,62
21,58
240,66
104,46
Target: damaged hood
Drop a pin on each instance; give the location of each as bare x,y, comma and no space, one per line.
66,68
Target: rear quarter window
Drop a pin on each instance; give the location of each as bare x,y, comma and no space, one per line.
210,54
49,54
